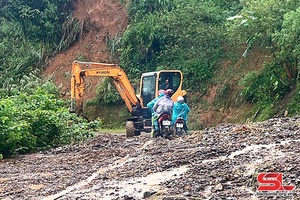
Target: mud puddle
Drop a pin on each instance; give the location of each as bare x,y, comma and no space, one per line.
136,187
118,163
253,149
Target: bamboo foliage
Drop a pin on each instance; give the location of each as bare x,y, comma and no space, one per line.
31,33
72,30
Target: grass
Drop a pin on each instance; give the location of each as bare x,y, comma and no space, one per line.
113,131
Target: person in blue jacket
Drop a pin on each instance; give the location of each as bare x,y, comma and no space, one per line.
181,109
150,105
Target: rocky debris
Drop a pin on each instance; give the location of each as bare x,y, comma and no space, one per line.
217,163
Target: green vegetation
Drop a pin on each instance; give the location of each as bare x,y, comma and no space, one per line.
185,35
32,117
267,86
197,36
293,107
107,94
271,24
31,32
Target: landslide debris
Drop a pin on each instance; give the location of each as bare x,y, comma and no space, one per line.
217,163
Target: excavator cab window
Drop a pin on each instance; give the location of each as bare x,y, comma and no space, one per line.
148,88
169,80
166,80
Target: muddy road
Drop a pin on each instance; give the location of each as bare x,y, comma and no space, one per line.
222,162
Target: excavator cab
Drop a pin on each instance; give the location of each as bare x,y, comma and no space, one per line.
151,82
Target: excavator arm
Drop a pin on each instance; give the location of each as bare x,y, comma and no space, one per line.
119,77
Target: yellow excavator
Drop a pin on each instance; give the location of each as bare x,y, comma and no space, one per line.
150,83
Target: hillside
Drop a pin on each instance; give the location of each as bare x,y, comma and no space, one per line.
108,18
219,103
101,19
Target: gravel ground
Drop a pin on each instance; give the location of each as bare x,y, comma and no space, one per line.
222,162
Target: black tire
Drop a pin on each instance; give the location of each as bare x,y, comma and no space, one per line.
166,133
137,133
130,129
158,133
179,131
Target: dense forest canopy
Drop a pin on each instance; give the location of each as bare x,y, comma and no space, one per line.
195,36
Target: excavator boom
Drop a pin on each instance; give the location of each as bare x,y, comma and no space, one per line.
80,70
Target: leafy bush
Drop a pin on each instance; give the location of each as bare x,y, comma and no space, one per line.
40,20
287,40
265,112
107,93
138,9
259,20
265,89
186,35
266,86
29,31
33,118
272,24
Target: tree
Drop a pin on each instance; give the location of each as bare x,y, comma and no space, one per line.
30,31
287,40
187,37
259,20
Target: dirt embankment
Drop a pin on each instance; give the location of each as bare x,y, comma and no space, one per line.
219,163
100,18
